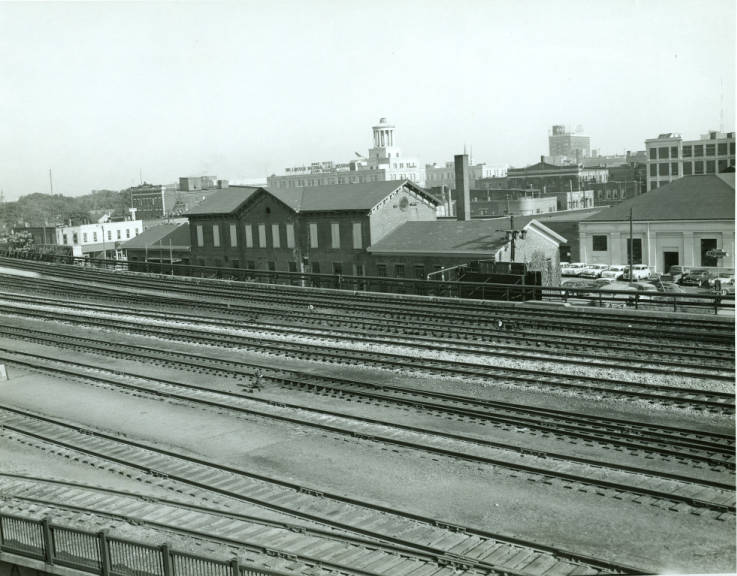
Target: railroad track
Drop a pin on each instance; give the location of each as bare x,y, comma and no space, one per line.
459,546
671,491
665,326
705,362
708,400
706,449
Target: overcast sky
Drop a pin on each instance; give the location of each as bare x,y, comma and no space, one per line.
100,92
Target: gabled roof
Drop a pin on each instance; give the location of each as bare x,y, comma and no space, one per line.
223,201
160,236
337,197
709,197
452,237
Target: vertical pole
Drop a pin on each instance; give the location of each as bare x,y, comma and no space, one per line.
631,255
235,567
171,258
104,553
513,234
166,563
48,540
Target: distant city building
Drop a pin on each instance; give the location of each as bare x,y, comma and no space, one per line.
158,246
101,239
437,175
385,163
155,201
669,157
565,146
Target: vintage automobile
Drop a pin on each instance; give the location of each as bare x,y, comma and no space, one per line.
594,270
572,269
696,277
614,272
639,272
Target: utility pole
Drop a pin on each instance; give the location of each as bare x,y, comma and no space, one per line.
631,255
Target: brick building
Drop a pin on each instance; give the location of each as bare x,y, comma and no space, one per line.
322,229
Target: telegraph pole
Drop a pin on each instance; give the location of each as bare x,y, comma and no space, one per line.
631,255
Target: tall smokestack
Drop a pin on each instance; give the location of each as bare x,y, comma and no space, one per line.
463,194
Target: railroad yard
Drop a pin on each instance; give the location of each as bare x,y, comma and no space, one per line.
286,431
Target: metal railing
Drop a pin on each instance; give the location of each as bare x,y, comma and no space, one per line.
98,553
664,301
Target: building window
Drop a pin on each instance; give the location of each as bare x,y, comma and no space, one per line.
290,235
65,239
358,270
272,266
236,263
275,236
663,169
687,168
698,167
249,236
233,236
722,147
731,148
262,235
315,267
599,243
250,265
335,235
110,235
663,153
127,234
674,168
723,165
94,236
215,235
710,166
292,266
313,235
636,251
399,270
381,269
687,151
419,271
84,237
674,151
357,236
653,170
118,234
698,150
337,267
708,244
653,153
710,149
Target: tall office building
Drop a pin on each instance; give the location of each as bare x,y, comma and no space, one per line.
567,147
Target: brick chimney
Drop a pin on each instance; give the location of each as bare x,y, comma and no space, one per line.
463,194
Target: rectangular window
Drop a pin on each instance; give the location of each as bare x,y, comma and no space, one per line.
674,151
335,235
687,151
419,271
110,235
127,234
358,270
698,167
118,234
65,238
710,149
315,267
215,235
687,168
381,269
313,235
94,236
236,263
674,168
653,153
262,235
663,153
722,148
233,236
722,165
653,169
706,245
249,236
731,148
74,238
290,235
250,264
636,250
357,236
84,237
599,243
275,236
292,266
337,267
200,238
399,270
711,167
663,169
272,266
698,150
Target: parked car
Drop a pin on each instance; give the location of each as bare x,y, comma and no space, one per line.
614,272
696,277
639,272
572,269
675,272
594,270
723,282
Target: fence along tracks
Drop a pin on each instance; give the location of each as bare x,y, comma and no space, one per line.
459,546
